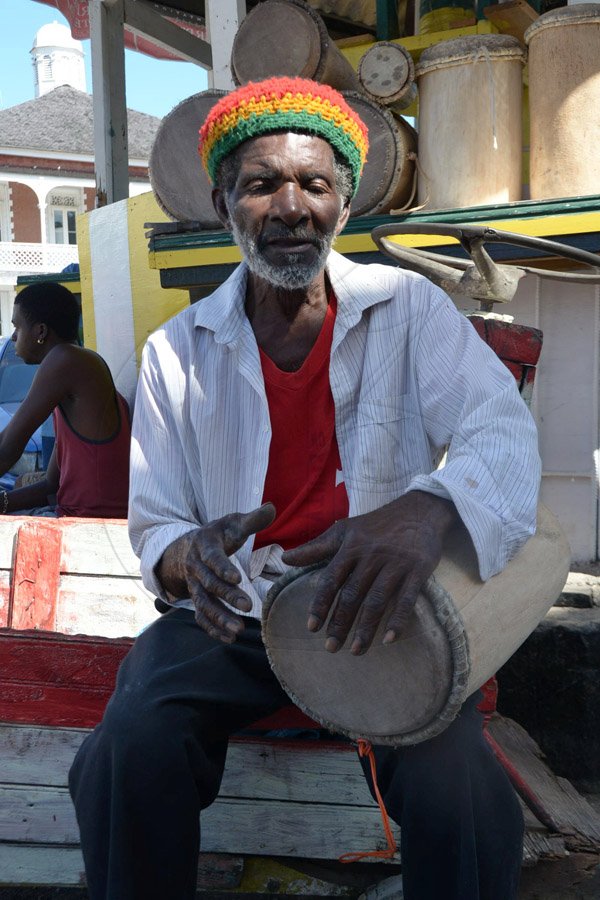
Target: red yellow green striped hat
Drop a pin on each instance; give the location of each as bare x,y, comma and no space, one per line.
283,104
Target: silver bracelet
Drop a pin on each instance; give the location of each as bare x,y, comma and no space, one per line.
3,501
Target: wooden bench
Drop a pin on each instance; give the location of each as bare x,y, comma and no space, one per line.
71,602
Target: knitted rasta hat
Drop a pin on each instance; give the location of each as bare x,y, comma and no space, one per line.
283,104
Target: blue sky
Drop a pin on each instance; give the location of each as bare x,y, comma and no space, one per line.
153,86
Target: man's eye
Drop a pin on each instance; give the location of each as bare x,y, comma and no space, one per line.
258,184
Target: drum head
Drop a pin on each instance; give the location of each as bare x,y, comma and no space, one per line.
177,175
395,694
387,177
386,70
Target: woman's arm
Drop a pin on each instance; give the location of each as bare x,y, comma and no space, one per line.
42,493
53,380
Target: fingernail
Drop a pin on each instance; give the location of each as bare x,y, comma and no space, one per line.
332,644
389,637
313,623
357,648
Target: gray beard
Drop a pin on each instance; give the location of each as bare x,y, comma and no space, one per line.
296,274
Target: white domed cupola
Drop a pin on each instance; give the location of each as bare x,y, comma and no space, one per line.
57,59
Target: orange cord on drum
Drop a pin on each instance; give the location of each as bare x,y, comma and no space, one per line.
365,748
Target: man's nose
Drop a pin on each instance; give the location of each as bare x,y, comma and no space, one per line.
289,204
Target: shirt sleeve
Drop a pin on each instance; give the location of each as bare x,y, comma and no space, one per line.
471,404
164,504
161,505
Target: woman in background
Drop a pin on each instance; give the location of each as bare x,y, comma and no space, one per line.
88,472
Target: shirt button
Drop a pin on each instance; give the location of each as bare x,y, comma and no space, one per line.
255,490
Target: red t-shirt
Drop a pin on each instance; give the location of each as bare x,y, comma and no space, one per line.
304,473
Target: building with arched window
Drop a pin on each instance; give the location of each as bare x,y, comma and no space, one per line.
47,164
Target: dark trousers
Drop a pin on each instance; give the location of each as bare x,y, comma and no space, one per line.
140,780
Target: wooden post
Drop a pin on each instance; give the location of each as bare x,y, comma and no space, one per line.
110,109
223,19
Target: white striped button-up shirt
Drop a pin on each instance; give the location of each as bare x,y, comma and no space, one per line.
409,376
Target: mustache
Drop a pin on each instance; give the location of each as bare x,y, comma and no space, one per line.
296,233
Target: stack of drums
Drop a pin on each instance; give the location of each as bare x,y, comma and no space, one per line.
287,38
564,99
470,132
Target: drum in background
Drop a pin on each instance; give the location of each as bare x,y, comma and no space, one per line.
387,75
470,121
177,176
564,99
461,632
388,178
288,38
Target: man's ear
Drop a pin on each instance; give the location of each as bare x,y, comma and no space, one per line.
344,216
218,200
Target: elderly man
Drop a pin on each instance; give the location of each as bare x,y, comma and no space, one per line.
295,416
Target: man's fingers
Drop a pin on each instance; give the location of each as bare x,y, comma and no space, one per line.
331,579
404,605
214,587
323,547
216,619
382,594
239,526
350,598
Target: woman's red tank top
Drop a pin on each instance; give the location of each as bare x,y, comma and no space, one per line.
94,475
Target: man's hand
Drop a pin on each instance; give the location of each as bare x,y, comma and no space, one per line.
381,558
197,565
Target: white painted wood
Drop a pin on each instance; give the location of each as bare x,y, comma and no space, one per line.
143,19
263,827
98,548
266,770
112,292
223,19
566,401
110,108
34,864
103,606
38,755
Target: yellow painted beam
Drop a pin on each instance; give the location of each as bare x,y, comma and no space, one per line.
542,226
87,292
415,44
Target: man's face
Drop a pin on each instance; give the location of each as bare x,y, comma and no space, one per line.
284,209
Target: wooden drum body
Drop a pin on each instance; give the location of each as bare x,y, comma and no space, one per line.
461,632
470,130
388,178
564,98
287,37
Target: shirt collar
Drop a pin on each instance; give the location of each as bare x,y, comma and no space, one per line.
354,286
223,311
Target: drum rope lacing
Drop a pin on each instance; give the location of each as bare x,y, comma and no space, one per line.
365,748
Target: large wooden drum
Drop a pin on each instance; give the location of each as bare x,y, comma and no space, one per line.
470,132
461,632
388,178
178,179
564,99
287,37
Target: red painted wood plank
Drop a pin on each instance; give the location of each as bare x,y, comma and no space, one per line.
35,576
515,343
4,598
51,679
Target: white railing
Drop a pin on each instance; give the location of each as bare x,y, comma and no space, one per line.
34,259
